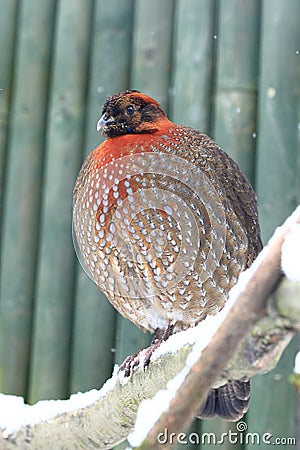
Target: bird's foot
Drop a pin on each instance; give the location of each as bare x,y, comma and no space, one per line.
142,357
139,359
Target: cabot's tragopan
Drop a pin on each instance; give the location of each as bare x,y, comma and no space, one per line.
164,221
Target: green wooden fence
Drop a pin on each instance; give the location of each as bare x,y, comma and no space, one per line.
228,67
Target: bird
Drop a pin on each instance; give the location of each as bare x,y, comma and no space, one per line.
164,221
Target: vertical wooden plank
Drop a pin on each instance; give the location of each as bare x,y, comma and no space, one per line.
215,434
24,178
49,374
277,169
152,50
128,339
93,345
93,336
7,39
236,80
272,407
192,63
110,59
277,183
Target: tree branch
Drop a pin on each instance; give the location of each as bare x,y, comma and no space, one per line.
249,341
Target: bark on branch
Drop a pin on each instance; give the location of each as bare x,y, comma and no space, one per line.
250,341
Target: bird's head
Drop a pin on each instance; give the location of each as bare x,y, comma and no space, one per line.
130,112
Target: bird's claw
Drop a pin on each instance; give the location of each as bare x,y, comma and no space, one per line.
139,359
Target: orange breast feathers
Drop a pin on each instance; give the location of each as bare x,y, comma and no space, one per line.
140,221
122,203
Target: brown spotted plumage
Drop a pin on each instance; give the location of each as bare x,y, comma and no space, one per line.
164,222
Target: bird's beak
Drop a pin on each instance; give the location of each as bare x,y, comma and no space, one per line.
103,121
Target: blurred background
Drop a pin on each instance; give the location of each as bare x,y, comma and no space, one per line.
230,68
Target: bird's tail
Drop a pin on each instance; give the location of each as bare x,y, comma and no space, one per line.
229,401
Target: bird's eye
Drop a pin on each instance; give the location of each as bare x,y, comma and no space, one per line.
130,110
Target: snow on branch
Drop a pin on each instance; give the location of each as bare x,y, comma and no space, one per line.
246,338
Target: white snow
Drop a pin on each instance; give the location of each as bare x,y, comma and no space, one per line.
290,256
297,363
14,413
